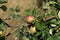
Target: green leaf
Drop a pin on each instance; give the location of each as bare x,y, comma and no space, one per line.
45,34
3,0
11,10
2,26
55,37
53,21
33,12
10,16
58,22
27,12
15,16
17,33
39,26
38,33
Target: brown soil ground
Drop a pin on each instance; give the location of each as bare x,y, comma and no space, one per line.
22,4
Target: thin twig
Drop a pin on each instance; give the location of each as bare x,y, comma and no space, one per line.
49,18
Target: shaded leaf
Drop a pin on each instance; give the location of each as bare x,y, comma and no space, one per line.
55,37
39,26
2,26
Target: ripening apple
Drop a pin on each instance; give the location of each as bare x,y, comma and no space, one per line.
32,29
29,19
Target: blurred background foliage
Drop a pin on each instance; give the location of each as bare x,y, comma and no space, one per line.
47,22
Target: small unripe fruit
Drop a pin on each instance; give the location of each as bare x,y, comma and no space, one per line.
32,29
53,25
1,32
37,20
29,19
52,2
59,14
50,31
